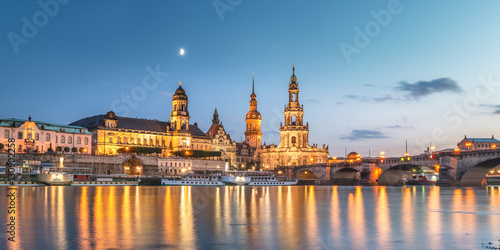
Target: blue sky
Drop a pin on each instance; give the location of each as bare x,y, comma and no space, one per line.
407,82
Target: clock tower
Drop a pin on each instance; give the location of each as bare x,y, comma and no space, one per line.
253,135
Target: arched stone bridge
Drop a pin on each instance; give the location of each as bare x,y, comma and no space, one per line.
465,168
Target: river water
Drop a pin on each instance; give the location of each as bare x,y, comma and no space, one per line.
228,217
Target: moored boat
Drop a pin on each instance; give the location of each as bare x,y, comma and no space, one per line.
193,180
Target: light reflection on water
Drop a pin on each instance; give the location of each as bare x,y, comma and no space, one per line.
296,217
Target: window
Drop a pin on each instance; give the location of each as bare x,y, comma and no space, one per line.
6,134
86,141
294,139
62,139
70,140
78,140
28,135
47,137
37,137
19,135
110,140
56,138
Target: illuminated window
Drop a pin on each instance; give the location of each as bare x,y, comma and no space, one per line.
70,140
19,135
6,134
86,141
78,140
63,139
47,137
37,137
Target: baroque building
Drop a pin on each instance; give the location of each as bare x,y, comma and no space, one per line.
113,134
42,137
294,148
221,140
253,119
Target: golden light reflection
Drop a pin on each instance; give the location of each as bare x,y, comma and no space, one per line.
356,218
18,230
434,217
382,216
312,216
186,219
408,214
83,219
335,220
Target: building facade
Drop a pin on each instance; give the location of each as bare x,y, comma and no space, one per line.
294,148
181,165
41,137
221,140
112,134
470,144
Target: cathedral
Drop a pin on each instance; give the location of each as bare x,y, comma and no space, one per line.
294,148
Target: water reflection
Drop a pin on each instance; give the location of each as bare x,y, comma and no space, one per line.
298,217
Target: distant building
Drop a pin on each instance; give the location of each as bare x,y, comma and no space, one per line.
246,156
181,165
470,144
221,140
113,134
41,137
294,148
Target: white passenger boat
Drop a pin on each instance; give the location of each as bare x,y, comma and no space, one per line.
254,178
193,180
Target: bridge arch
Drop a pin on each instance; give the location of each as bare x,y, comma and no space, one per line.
133,166
306,174
394,175
346,176
474,176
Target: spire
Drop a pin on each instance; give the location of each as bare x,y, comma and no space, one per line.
293,78
253,95
29,118
180,84
216,117
253,83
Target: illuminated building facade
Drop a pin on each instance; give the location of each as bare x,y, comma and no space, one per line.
468,144
221,140
294,148
41,137
113,134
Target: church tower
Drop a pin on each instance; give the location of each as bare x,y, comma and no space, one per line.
253,135
294,134
179,118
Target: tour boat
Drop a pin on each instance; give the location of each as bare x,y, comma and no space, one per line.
254,178
193,180
422,179
493,180
106,180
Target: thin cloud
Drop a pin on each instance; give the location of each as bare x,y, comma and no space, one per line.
364,134
426,88
398,127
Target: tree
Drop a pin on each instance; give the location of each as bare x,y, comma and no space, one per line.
66,149
1,146
58,148
74,150
82,150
